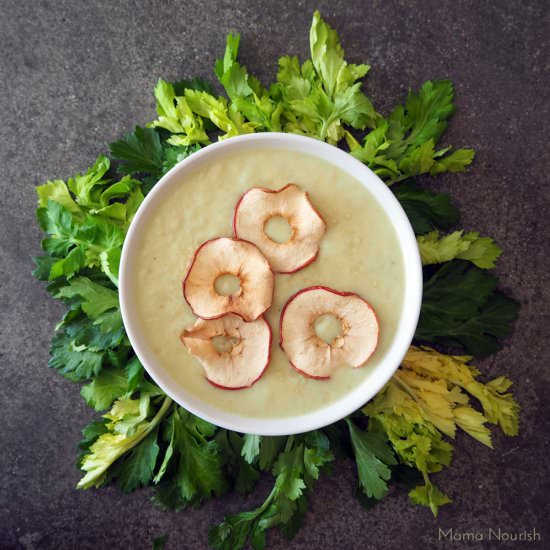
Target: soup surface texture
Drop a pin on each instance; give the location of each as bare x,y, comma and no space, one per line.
359,253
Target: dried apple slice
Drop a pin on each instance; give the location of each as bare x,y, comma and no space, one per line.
258,206
308,352
240,260
233,353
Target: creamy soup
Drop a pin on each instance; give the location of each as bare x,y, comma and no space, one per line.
359,253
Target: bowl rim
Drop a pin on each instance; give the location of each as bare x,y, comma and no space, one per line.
410,312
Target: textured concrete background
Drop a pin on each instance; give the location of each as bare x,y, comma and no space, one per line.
77,75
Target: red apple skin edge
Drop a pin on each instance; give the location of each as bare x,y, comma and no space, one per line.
264,369
305,373
304,265
275,191
339,293
227,312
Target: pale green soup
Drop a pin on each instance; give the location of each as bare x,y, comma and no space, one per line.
359,253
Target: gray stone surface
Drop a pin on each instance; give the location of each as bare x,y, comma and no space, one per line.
77,75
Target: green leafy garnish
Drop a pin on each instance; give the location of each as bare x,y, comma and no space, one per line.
462,308
481,251
128,426
85,221
428,398
183,116
374,458
295,470
114,382
140,151
403,144
159,542
403,436
247,95
323,94
426,210
191,467
244,473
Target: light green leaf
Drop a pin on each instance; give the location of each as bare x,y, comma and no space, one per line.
110,260
429,495
96,298
217,110
481,251
457,161
251,447
105,388
113,444
57,191
87,187
176,116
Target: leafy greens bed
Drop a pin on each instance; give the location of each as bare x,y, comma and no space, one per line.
404,434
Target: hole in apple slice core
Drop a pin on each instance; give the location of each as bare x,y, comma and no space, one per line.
227,284
278,229
224,344
328,328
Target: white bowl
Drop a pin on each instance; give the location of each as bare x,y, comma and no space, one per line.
411,304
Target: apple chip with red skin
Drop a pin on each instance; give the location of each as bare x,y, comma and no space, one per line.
258,205
311,355
228,256
242,356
